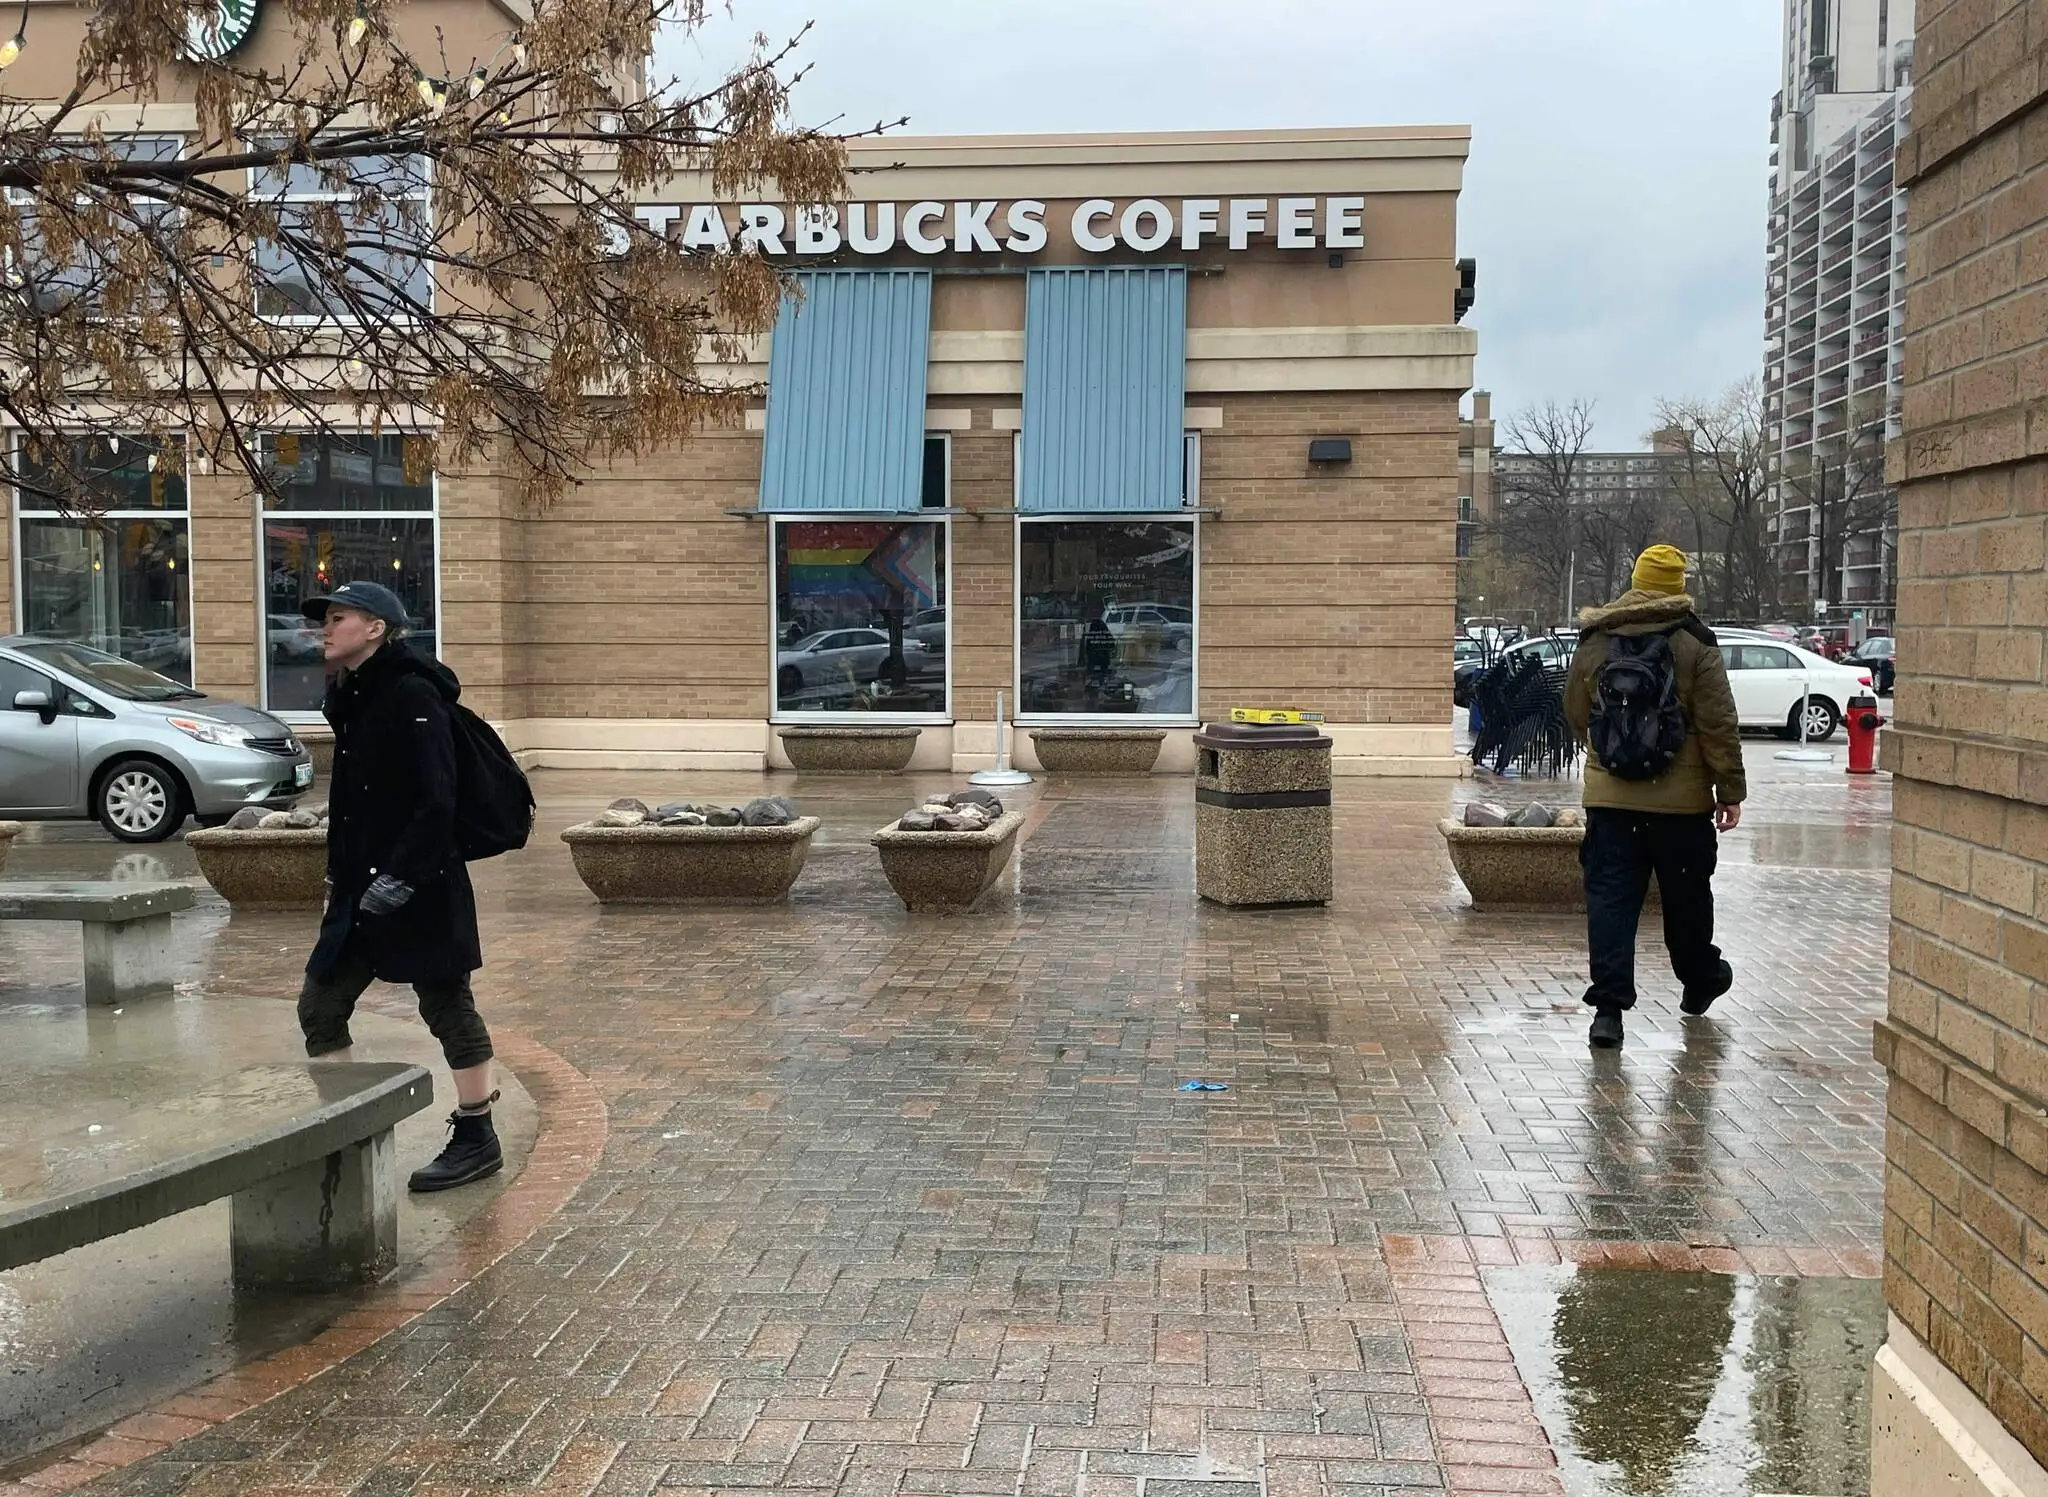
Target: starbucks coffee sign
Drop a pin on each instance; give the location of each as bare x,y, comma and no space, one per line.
991,226
212,34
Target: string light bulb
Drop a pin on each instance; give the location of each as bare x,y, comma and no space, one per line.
11,49
432,91
519,54
359,27
477,80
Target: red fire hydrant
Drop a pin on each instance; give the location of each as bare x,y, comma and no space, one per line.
1863,723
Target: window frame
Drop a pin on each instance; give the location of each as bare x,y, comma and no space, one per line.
800,717
19,512
1191,718
303,716
286,197
22,197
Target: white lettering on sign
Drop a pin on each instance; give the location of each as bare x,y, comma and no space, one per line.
986,226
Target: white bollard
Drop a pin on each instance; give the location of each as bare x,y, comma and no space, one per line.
1002,774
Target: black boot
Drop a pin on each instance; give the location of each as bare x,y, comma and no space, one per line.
472,1154
1606,1031
1699,1000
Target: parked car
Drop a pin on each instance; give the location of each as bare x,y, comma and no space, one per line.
839,656
1879,654
928,628
88,734
1770,679
1172,624
1554,650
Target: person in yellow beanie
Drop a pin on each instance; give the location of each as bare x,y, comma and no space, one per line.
1648,695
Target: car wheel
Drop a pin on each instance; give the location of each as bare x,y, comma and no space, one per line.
1821,720
140,801
789,680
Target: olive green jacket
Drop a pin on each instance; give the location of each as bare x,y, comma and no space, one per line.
1709,764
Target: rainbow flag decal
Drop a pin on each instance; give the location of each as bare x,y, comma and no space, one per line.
907,562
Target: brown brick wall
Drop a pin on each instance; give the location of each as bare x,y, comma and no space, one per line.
1966,1037
638,596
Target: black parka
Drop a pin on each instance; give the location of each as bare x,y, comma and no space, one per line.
392,810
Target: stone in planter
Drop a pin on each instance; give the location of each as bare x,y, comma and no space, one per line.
849,750
944,873
655,864
282,868
9,830
1084,751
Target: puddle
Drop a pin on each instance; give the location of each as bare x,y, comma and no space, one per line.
1696,1385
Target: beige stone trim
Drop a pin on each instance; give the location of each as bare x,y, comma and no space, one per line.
1930,1433
757,418
1204,418
949,418
1220,360
1235,163
1008,418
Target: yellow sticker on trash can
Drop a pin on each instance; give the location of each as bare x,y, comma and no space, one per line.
1272,715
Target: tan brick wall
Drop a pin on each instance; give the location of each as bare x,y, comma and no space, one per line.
1966,1037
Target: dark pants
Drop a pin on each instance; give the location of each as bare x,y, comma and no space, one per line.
1622,849
325,1004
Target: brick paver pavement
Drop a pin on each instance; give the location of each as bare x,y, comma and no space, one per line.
911,1206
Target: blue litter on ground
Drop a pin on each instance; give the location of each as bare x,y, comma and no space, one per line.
1202,1086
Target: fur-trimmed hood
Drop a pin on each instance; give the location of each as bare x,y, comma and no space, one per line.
1638,612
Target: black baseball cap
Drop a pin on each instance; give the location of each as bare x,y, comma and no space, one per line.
365,597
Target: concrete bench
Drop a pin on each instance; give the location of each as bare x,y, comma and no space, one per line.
304,1152
127,930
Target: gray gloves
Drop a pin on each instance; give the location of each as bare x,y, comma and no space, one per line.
385,896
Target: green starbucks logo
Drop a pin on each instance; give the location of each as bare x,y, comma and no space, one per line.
209,36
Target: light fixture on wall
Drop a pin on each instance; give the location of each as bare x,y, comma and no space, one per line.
1329,449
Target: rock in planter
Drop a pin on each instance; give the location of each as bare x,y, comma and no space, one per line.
1518,868
9,830
268,868
1097,750
944,873
656,864
849,750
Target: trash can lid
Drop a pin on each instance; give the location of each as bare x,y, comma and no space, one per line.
1261,735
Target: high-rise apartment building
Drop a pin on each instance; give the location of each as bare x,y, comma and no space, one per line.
1835,300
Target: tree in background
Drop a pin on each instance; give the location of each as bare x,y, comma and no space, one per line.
1721,485
1538,519
1842,488
380,235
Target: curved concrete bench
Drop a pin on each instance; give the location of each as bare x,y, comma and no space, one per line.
304,1151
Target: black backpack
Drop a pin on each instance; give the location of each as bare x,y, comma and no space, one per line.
493,802
1636,725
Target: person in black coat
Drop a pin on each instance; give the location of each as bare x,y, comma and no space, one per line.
399,906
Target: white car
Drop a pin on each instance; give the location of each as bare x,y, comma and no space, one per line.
1771,678
1168,622
839,657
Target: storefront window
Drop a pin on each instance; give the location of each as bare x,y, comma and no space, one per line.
1106,618
860,617
343,509
118,578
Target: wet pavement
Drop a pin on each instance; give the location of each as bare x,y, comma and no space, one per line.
897,1204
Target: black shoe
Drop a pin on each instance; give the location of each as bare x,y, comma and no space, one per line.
1606,1031
1699,1000
472,1154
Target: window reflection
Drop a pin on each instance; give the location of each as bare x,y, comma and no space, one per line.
860,616
1106,617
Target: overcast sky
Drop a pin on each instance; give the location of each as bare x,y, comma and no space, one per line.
1615,199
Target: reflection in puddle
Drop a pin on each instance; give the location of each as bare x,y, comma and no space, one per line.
1806,845
1696,1385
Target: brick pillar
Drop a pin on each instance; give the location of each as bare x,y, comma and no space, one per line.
1961,1394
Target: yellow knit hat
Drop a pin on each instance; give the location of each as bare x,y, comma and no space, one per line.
1661,569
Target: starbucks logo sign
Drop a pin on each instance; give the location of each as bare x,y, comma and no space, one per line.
217,33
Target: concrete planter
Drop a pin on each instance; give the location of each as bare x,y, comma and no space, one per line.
1518,868
849,750
255,869
1088,751
690,864
944,873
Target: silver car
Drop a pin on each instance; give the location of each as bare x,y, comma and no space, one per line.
84,733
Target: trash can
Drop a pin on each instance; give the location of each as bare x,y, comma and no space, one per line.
1262,814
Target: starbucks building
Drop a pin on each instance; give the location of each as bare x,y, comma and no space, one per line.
1129,428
